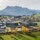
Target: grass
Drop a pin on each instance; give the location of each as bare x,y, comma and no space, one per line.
6,37
33,36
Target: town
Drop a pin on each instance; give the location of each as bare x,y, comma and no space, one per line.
15,24
20,27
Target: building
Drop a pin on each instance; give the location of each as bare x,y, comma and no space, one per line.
2,28
12,26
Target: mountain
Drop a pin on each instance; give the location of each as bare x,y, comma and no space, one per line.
16,10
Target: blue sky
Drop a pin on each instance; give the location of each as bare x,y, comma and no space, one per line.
31,4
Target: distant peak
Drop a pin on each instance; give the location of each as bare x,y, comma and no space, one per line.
14,6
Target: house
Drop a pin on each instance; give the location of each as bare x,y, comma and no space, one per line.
23,28
19,28
12,26
2,28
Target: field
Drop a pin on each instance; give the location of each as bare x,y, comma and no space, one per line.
32,36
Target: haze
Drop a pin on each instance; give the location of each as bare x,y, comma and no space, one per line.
31,4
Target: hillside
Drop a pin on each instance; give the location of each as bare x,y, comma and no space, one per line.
32,36
36,15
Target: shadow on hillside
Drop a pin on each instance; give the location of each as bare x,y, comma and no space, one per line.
32,35
1,38
13,38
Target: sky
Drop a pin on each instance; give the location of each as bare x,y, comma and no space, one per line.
31,4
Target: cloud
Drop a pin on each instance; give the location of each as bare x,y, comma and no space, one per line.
32,4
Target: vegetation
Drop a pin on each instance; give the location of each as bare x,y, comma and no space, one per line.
32,36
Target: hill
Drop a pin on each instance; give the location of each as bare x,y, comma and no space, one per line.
36,15
16,10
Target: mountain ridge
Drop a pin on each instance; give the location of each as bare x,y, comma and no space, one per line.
16,10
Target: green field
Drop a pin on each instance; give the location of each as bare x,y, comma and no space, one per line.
32,36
